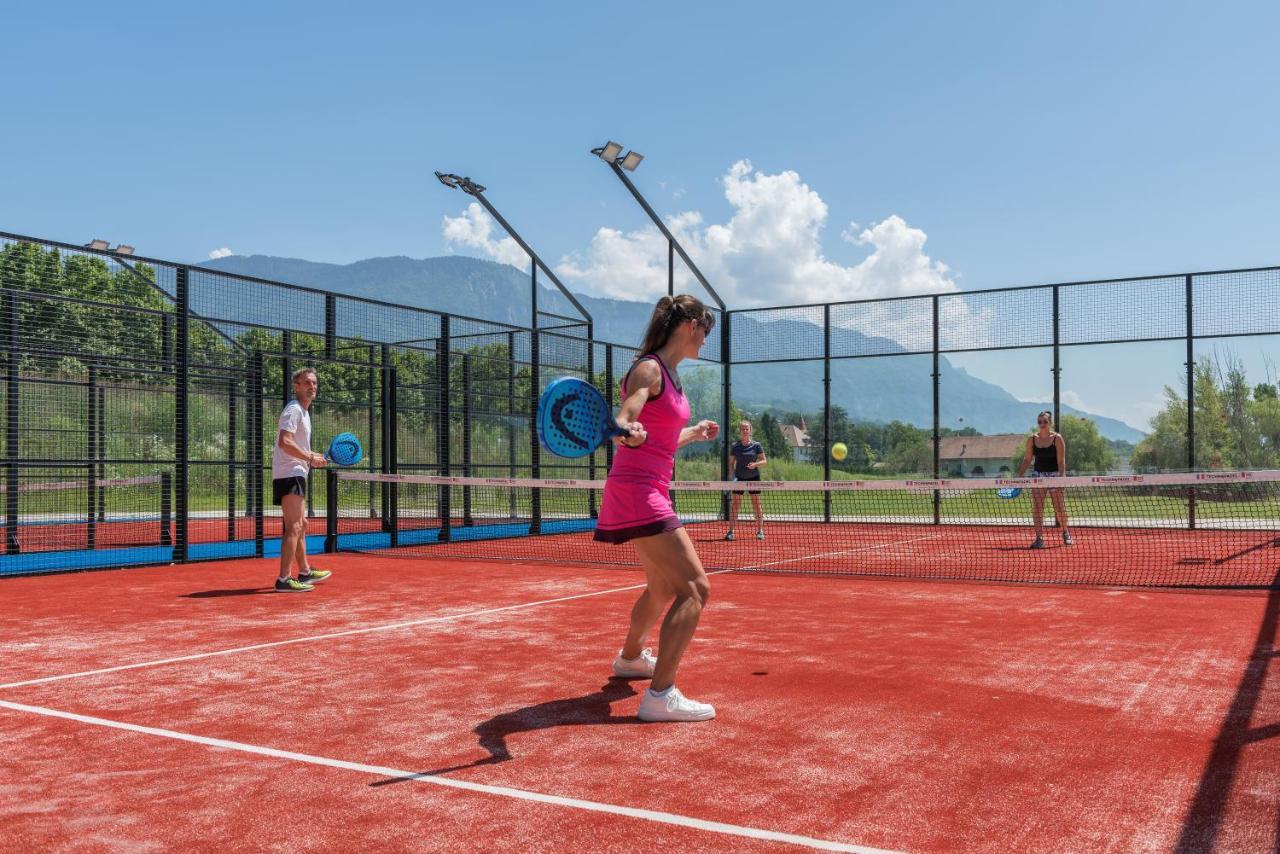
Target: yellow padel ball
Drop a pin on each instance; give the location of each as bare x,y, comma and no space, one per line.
839,451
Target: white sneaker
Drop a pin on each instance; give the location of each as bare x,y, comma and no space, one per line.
673,706
635,668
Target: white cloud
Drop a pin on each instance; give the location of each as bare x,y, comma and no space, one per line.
474,229
768,252
220,253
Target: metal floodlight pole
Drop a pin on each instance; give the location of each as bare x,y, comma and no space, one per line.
476,191
609,154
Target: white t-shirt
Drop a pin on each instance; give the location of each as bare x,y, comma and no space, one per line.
297,421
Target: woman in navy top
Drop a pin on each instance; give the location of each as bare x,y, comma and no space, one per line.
748,456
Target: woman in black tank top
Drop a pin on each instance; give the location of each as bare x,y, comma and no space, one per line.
1047,450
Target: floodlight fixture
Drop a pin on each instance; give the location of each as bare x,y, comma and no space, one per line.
632,160
123,249
608,152
101,245
457,182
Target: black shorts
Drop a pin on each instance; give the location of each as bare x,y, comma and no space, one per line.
282,486
747,491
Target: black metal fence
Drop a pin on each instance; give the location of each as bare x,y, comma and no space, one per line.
141,395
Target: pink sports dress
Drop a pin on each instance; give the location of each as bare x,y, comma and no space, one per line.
637,500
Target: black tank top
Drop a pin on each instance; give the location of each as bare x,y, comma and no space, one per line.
1046,459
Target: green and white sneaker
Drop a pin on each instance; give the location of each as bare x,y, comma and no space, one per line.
314,576
292,585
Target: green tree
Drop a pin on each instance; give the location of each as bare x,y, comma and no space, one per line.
771,438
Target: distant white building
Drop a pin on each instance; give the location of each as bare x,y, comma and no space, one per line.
797,436
978,456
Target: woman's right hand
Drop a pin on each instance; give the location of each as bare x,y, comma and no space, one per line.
635,437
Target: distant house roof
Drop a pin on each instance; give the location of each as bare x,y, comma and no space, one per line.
796,436
999,447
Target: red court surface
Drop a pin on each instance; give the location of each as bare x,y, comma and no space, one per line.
410,705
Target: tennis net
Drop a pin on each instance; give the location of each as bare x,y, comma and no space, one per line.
1215,529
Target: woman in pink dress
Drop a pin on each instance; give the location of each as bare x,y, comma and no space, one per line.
637,508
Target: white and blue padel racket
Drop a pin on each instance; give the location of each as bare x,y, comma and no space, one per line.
344,450
574,419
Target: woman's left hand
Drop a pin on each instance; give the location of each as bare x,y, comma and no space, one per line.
705,431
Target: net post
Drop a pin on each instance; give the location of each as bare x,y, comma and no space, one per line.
91,540
1191,403
444,416
330,511
937,415
182,411
166,508
1057,360
826,409
232,442
13,393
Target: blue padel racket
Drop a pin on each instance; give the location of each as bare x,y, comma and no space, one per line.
1009,492
344,450
573,418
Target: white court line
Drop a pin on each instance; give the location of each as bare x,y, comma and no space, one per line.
425,621
826,554
498,791
346,633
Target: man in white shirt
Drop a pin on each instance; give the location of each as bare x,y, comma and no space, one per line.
291,460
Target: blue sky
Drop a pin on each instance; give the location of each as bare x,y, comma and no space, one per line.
974,145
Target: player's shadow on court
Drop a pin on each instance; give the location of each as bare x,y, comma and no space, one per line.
594,708
217,594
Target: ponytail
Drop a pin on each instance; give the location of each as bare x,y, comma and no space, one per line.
669,313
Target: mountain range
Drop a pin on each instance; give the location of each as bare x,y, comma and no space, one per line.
877,389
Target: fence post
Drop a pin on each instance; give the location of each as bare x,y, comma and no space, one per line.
13,345
257,451
1057,362
826,409
535,450
466,436
444,415
92,514
330,327
726,362
182,412
937,414
232,442
1191,405
591,458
